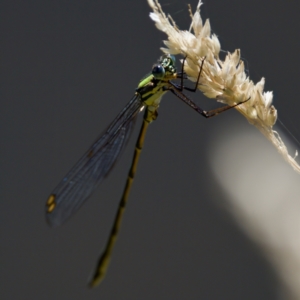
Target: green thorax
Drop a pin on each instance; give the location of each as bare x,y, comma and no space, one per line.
153,86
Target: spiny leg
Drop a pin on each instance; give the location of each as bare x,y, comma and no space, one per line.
207,114
177,91
104,259
214,112
181,87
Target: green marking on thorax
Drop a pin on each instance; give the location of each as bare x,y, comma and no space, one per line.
145,80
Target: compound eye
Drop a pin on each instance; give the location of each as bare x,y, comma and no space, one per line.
158,71
173,59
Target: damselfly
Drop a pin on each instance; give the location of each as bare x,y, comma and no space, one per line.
97,162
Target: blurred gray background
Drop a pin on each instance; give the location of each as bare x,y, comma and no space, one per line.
67,69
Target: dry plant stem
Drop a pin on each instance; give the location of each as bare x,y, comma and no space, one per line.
223,80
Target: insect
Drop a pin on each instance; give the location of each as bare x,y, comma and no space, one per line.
82,180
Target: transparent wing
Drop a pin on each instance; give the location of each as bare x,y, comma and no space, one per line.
91,169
